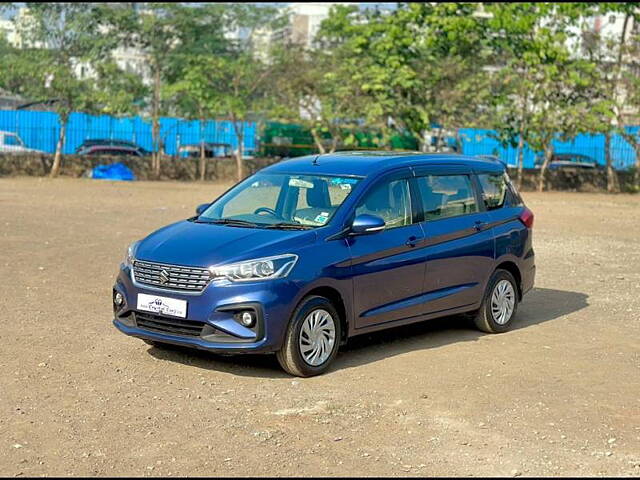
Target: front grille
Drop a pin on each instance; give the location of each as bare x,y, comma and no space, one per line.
172,277
176,326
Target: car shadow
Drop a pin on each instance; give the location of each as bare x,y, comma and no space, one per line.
540,305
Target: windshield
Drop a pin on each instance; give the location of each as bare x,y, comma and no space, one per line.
281,201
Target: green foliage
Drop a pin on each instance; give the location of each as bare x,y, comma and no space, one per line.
60,41
511,67
415,67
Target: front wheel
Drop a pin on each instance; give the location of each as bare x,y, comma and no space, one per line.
499,304
312,339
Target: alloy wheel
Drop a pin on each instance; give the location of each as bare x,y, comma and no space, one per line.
317,337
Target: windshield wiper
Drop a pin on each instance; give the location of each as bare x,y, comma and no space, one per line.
230,221
289,226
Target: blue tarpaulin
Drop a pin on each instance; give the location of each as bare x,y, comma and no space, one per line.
116,171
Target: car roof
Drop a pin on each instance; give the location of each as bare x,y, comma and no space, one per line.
571,155
110,147
364,163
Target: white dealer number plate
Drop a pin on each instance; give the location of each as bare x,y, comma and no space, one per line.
164,305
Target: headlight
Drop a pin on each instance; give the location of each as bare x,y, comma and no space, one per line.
130,256
259,269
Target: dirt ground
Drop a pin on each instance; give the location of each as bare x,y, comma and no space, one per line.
558,395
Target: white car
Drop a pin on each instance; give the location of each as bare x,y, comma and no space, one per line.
11,143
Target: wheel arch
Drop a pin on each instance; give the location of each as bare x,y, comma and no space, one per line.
336,298
514,270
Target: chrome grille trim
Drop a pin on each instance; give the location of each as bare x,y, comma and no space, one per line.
182,278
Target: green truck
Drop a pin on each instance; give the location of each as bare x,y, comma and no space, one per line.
291,140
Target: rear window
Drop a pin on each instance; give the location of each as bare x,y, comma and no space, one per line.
494,189
446,196
497,191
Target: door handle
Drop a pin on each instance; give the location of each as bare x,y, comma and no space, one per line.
480,225
412,241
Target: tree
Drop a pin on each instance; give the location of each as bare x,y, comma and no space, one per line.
167,33
227,77
617,59
543,90
562,106
59,41
196,98
308,88
416,66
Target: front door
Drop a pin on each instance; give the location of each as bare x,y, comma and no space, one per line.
388,266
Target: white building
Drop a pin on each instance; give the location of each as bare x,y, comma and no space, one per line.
305,20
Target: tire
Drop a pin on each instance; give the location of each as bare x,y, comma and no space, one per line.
291,357
487,318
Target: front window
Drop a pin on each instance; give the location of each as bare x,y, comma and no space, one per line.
281,201
390,201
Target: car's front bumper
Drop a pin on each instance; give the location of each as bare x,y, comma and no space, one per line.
215,309
195,342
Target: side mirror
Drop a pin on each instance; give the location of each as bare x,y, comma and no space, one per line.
365,224
202,208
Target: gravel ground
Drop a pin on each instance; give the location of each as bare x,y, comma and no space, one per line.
558,395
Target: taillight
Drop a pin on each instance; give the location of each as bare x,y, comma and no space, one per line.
526,217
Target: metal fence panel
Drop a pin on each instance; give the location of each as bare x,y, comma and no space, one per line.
40,130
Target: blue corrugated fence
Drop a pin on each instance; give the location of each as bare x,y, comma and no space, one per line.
39,130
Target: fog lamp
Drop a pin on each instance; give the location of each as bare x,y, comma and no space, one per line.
118,299
247,319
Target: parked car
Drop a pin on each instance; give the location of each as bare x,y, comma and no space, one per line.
309,252
110,150
11,142
493,158
568,160
102,142
211,150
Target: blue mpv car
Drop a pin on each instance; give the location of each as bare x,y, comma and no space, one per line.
311,251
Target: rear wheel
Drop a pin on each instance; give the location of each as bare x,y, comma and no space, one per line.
312,339
499,304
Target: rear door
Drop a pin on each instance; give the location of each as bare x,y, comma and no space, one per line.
388,266
458,238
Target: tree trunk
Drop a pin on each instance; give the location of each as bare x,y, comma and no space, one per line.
636,175
317,140
203,161
635,145
438,139
548,153
613,184
523,127
155,131
57,159
458,140
238,126
520,158
334,141
612,176
425,141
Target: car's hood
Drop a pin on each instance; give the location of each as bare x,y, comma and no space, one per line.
205,244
